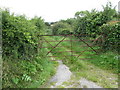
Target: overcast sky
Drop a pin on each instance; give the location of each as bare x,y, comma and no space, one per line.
53,10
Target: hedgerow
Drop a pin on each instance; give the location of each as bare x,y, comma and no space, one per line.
20,36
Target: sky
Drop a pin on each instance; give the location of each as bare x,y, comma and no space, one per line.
53,10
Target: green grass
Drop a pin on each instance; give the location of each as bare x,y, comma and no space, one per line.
35,73
98,69
107,61
27,74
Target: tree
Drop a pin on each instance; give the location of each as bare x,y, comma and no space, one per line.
60,27
109,11
89,22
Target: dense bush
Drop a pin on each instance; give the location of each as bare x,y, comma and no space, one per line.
20,36
61,28
95,24
89,22
24,66
111,34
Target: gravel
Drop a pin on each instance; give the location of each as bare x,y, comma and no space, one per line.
63,74
84,83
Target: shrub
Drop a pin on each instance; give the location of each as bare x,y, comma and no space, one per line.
20,36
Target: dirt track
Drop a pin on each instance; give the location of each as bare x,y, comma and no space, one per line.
63,74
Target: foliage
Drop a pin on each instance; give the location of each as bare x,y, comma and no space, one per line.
20,36
72,22
89,22
95,24
111,34
39,23
109,11
25,77
27,74
108,60
24,66
15,80
61,28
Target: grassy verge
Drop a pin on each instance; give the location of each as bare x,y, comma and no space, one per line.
27,74
105,60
